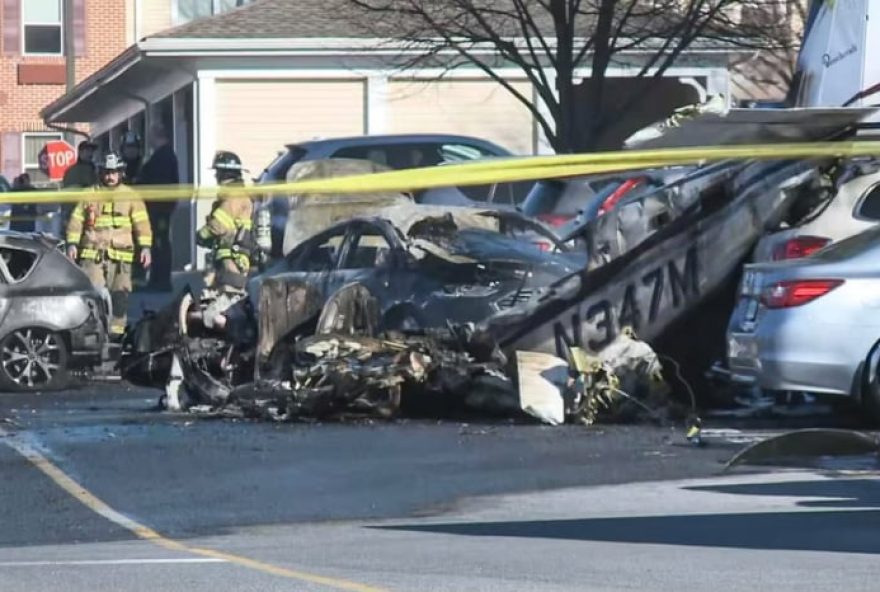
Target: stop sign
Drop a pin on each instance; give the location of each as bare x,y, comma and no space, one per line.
56,157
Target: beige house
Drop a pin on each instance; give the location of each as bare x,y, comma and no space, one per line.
275,72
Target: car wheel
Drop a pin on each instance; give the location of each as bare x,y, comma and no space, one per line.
33,359
871,389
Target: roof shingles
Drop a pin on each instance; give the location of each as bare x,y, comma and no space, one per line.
273,19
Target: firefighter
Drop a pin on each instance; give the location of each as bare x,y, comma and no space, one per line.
102,235
227,231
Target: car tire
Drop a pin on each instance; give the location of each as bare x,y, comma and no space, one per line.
871,388
33,359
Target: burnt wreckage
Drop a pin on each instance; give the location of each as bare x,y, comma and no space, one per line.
419,311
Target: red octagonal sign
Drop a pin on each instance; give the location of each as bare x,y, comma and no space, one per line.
56,157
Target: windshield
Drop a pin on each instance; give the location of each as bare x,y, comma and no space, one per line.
276,172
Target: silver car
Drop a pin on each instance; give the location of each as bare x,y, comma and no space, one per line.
849,209
812,324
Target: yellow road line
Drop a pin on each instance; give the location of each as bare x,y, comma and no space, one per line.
98,506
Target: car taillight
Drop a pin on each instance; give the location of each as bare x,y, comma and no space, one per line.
799,246
542,245
796,292
554,220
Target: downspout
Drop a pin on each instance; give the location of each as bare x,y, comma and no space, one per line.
69,62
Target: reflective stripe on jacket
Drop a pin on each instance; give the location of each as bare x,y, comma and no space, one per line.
227,218
110,227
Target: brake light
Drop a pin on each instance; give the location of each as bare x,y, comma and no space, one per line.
799,246
796,292
554,220
542,245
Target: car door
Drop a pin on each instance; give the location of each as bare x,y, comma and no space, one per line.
315,261
373,257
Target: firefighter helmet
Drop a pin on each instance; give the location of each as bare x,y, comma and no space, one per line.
112,162
227,161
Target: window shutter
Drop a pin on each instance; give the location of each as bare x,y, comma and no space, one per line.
10,150
11,27
79,28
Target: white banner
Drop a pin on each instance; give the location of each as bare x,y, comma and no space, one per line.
832,60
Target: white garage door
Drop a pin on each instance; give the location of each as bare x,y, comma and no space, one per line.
257,118
478,108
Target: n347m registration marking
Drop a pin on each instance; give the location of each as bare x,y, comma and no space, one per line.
597,323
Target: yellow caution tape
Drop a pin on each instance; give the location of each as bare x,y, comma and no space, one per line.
43,218
532,168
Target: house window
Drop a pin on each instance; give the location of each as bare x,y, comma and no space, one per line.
32,145
41,25
188,10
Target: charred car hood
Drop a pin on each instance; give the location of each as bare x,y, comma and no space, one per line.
484,246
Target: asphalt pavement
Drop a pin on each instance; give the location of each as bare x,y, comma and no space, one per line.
101,491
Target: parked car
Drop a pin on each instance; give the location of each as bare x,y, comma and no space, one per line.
407,151
52,319
830,215
812,324
569,203
398,152
5,209
395,152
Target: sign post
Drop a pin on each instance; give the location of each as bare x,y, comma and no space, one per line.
55,158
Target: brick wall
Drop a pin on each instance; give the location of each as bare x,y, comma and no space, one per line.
103,37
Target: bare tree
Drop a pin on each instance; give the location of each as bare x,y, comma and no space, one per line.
551,40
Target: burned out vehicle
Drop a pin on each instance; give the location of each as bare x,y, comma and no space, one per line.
52,319
421,268
650,262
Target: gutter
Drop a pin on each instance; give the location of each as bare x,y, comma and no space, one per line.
246,47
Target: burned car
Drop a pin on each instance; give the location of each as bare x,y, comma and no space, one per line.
422,267
52,319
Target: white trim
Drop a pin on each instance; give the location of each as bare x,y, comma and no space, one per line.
138,20
24,165
542,144
197,172
353,73
376,112
24,23
206,138
371,45
515,74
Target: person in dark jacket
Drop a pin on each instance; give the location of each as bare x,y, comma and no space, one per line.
83,173
132,154
24,215
160,169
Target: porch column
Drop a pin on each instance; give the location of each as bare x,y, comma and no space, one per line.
376,115
205,146
541,144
